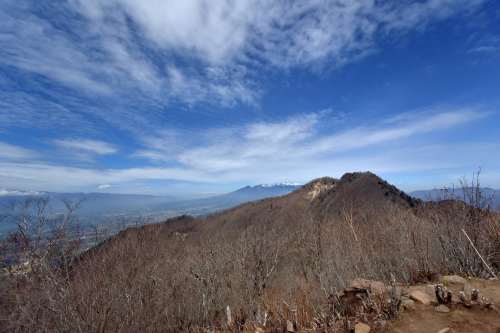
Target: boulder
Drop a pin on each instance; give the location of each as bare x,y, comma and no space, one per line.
361,328
442,309
420,297
376,287
453,279
430,289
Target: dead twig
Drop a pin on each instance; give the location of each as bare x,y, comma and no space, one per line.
484,261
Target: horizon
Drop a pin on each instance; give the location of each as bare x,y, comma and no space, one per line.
199,195
208,97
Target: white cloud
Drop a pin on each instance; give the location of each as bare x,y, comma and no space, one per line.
12,152
130,49
299,148
214,28
22,110
35,45
402,127
297,139
87,146
486,45
295,143
103,186
282,32
46,176
216,85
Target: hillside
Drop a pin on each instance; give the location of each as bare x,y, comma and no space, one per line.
324,198
271,261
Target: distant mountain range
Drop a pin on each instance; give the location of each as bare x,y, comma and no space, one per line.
223,201
491,196
96,207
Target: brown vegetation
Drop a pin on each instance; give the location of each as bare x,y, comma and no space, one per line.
263,264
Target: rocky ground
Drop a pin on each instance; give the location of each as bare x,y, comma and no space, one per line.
421,312
452,304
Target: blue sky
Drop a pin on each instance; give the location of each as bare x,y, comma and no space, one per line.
192,97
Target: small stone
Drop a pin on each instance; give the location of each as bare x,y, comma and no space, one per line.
407,304
228,316
475,295
453,279
361,328
289,326
445,330
420,297
442,309
463,299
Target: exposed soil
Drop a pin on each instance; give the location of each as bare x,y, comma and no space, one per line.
460,319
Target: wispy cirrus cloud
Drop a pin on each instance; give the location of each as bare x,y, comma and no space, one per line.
22,110
12,152
299,148
130,49
486,45
281,32
87,146
401,127
296,139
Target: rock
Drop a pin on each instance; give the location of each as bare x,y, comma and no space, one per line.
228,316
361,328
259,330
420,297
475,295
380,325
376,287
289,326
463,299
430,289
467,291
407,304
443,295
445,330
453,279
442,309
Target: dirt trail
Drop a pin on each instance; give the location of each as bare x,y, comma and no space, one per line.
424,318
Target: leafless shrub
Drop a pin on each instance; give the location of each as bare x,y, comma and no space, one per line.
182,276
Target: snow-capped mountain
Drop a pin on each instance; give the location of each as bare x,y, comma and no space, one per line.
231,199
5,192
285,184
